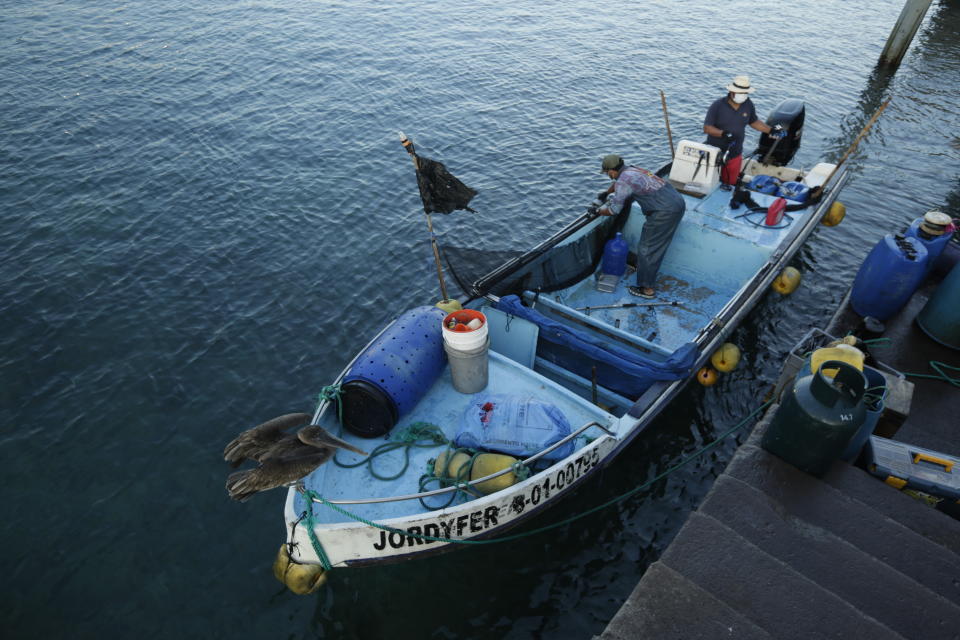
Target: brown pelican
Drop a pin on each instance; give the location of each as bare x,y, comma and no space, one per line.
284,457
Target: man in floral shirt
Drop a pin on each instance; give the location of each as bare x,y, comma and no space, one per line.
662,207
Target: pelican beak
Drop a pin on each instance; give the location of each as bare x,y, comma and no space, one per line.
319,437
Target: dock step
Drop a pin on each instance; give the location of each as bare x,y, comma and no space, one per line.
894,535
656,604
763,588
834,563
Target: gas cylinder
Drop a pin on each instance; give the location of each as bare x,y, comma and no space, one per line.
817,417
615,256
889,275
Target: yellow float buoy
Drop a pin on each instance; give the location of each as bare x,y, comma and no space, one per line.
834,215
707,376
487,463
787,282
299,578
451,463
449,306
726,358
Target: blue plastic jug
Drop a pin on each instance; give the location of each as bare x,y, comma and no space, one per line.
615,256
934,244
889,275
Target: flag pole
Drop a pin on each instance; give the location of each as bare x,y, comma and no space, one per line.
408,145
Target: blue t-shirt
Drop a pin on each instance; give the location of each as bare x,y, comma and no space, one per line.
722,116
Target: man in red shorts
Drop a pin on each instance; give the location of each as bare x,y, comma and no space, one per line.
726,120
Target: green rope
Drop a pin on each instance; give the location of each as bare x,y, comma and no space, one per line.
941,374
406,440
314,540
313,496
419,435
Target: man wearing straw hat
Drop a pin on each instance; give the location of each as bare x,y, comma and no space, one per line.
726,121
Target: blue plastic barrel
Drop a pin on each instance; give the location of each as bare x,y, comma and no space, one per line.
888,276
934,244
615,256
940,317
392,374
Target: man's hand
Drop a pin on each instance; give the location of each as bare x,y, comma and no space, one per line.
727,136
776,131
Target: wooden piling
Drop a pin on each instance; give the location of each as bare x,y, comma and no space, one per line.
903,31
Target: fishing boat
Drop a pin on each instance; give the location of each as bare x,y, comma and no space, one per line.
567,344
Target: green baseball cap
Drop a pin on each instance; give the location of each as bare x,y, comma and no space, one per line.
612,161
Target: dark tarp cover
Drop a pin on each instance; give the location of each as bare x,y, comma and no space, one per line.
440,190
629,373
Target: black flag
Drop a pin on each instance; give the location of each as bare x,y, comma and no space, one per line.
440,190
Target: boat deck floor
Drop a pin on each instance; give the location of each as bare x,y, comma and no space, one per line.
667,326
443,406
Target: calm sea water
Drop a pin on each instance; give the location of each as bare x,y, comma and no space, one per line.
206,212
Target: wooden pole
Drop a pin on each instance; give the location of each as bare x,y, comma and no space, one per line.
903,31
408,145
853,147
663,101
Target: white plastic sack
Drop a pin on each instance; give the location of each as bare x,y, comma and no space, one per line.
516,425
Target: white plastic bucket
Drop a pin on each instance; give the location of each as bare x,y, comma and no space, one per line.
468,340
468,368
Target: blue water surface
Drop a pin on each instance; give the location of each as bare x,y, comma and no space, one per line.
207,212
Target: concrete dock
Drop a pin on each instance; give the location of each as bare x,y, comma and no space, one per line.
775,553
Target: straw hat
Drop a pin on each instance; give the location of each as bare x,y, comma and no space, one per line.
740,84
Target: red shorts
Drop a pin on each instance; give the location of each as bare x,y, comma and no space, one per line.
730,171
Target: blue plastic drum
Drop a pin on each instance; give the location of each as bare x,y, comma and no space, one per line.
391,375
888,277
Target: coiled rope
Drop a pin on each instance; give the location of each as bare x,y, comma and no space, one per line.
418,435
313,497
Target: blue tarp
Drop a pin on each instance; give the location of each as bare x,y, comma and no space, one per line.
632,373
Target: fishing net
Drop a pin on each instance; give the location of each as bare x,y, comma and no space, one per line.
501,272
440,190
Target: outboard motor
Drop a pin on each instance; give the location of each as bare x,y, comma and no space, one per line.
789,114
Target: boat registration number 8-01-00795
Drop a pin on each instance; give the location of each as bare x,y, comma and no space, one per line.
557,480
493,515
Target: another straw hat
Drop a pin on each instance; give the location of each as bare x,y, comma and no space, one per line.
740,84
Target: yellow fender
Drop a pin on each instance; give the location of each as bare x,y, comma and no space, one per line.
726,358
487,463
449,306
299,578
787,282
707,376
451,464
834,215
